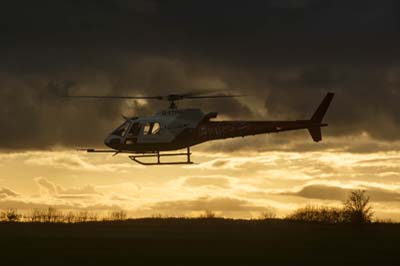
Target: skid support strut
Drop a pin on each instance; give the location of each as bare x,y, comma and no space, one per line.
159,155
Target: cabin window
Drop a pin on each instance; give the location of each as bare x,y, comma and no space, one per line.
151,128
156,128
146,128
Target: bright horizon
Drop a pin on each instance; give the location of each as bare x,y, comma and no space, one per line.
239,184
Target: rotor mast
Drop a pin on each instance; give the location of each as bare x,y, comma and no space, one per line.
172,98
172,105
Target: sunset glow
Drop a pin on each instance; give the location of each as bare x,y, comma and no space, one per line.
231,184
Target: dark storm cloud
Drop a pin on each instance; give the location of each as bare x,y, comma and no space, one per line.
286,52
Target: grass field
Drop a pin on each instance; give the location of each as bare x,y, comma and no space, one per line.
198,242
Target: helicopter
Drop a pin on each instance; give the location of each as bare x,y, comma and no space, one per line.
174,129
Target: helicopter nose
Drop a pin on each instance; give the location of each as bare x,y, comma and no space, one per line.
107,141
112,141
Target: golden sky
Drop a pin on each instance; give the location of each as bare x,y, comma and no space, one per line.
239,184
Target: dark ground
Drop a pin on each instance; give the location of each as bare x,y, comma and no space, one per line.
198,242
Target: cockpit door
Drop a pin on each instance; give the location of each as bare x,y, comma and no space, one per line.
132,133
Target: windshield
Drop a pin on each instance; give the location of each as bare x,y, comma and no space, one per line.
121,130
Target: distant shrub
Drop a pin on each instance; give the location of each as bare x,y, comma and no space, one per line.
319,214
70,217
37,215
92,217
52,215
384,221
208,214
157,216
12,215
82,216
2,216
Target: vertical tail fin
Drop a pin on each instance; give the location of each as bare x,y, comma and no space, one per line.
322,108
318,116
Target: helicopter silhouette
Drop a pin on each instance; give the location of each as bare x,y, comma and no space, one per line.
174,129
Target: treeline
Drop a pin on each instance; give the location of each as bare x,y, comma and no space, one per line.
53,215
355,210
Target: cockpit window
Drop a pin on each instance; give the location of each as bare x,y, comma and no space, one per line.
121,131
135,129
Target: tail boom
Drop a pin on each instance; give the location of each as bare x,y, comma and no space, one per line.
212,130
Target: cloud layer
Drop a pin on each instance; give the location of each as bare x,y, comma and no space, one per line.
341,194
286,54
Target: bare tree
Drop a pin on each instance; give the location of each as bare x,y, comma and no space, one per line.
70,217
357,207
36,215
157,216
82,216
118,215
53,215
268,213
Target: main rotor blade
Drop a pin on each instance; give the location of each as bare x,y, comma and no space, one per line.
214,96
170,97
200,92
112,97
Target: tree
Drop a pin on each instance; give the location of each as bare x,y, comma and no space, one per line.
268,213
12,215
208,214
118,215
357,207
53,215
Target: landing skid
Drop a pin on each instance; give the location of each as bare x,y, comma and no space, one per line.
158,156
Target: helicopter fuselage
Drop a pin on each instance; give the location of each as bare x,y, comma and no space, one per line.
177,129
148,137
